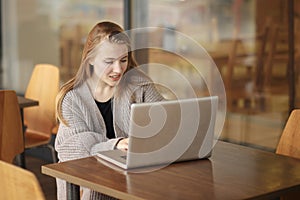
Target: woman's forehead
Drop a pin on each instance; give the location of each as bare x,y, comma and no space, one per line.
110,49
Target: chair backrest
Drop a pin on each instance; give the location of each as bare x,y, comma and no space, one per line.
11,129
18,183
278,50
289,143
248,51
43,86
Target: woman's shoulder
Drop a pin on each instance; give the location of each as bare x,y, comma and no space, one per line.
137,76
69,98
76,94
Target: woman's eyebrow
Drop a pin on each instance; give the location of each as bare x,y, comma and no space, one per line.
126,56
109,58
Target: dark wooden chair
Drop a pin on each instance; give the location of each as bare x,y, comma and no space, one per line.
244,69
11,132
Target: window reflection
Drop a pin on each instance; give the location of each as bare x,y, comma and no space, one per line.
240,36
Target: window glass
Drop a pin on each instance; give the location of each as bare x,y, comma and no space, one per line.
42,31
240,36
246,39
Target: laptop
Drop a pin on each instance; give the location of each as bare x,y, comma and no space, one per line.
165,132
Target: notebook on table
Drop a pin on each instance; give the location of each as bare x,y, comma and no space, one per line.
167,131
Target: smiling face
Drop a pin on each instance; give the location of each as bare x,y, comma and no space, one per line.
110,63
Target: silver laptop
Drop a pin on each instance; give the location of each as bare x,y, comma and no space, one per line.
167,131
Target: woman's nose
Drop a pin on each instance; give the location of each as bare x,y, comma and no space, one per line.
117,67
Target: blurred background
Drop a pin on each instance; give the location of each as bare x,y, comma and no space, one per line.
254,43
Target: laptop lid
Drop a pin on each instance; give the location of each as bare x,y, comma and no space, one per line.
170,131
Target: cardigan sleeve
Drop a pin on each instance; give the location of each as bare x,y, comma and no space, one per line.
150,93
145,88
141,87
136,87
79,138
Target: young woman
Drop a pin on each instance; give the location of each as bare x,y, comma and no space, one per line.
94,107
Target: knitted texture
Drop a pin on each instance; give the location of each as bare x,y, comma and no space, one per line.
85,134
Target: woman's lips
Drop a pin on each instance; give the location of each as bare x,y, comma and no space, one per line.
115,77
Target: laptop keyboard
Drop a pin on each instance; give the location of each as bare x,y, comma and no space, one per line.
124,157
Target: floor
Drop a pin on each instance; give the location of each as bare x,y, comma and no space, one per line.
47,183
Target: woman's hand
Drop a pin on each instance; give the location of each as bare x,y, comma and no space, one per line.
122,144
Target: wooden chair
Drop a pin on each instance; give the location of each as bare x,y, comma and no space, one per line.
278,58
244,68
277,55
40,120
11,132
289,144
17,183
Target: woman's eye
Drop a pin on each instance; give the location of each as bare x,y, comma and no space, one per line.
124,60
108,62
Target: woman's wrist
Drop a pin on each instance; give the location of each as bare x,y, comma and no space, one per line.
115,147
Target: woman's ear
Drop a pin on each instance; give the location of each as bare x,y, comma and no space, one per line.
90,69
91,62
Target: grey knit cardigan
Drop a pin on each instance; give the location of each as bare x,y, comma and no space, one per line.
85,134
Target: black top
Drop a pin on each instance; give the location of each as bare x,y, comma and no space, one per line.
106,111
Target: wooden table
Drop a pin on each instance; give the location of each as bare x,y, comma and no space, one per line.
24,103
233,172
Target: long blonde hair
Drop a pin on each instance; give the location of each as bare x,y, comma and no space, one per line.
101,31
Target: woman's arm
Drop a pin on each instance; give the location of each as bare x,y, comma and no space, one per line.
83,136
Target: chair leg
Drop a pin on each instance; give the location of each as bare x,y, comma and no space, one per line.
53,153
20,159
